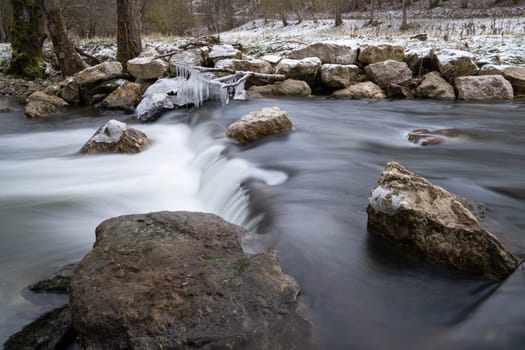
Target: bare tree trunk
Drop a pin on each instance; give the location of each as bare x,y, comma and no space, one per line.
372,5
68,59
129,44
27,39
405,7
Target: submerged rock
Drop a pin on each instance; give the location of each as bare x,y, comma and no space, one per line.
57,282
365,89
306,69
484,88
116,137
6,109
435,87
180,280
51,331
378,53
408,209
264,122
388,72
327,53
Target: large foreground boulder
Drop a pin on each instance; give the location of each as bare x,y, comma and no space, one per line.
484,88
327,53
515,75
306,69
425,218
264,122
180,280
388,73
116,137
435,87
378,53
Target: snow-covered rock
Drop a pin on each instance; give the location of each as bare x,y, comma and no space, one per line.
327,53
306,69
116,137
100,72
257,124
377,53
425,218
365,89
454,63
147,68
224,51
388,72
338,76
484,88
254,65
272,59
435,87
515,75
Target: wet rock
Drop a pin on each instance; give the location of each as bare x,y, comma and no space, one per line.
57,282
6,109
454,63
147,68
125,97
365,89
388,72
338,76
180,280
399,91
257,124
306,69
424,218
116,137
192,57
515,75
435,87
255,65
484,88
39,109
224,51
100,72
70,91
51,331
91,94
327,53
288,87
378,53
42,96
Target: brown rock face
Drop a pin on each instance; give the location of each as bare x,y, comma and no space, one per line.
388,72
306,69
125,97
484,88
379,53
116,137
100,72
288,87
39,109
515,75
179,280
338,76
264,122
454,63
366,89
427,219
435,87
147,68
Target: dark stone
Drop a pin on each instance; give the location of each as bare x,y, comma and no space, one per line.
51,331
57,282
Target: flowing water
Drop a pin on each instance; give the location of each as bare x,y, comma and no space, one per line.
305,192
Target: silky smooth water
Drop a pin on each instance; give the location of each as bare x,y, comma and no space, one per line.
309,187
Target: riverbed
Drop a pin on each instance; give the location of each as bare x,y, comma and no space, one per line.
304,192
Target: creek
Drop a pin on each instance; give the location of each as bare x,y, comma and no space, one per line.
305,194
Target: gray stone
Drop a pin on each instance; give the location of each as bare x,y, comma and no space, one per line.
388,72
223,51
515,75
306,69
257,124
39,109
42,96
255,65
180,280
365,89
192,57
100,72
147,68
426,219
484,88
57,282
327,53
116,137
435,87
338,76
70,91
378,53
454,63
125,97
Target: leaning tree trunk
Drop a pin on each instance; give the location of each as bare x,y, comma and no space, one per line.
27,39
68,59
129,44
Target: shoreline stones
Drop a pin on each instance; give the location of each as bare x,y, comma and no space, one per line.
58,282
365,89
179,280
42,105
423,218
257,124
116,137
484,88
